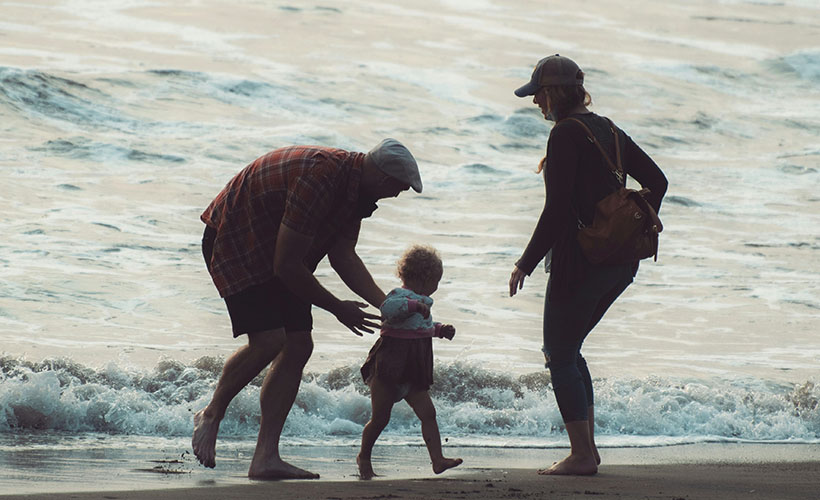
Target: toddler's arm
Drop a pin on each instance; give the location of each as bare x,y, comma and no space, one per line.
397,308
445,331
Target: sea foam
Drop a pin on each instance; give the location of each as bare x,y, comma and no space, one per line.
475,406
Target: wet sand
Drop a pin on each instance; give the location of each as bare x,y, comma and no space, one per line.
727,481
695,471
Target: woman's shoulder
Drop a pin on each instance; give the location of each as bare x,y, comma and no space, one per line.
589,122
569,128
589,119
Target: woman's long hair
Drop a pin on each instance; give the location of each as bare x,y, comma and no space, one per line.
563,99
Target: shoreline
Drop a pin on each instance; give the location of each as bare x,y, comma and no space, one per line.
728,481
159,474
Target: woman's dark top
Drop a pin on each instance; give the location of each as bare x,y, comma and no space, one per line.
577,177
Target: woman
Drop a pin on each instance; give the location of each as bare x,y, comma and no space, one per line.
578,292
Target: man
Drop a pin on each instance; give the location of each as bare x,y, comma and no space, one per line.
266,232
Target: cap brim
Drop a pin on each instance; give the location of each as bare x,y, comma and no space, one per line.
529,89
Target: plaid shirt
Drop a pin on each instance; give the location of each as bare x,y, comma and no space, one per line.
312,190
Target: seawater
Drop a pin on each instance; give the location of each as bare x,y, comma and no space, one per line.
120,120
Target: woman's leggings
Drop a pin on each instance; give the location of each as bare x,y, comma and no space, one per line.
567,322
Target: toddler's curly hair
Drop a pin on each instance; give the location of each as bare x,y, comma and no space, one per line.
420,263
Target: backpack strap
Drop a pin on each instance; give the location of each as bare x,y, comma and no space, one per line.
617,168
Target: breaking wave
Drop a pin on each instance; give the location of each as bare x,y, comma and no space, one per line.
475,406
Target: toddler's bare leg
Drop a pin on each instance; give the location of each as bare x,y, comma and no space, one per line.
423,406
381,402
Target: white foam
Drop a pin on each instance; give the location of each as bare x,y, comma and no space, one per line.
473,404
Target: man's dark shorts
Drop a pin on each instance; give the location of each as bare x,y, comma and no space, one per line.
266,306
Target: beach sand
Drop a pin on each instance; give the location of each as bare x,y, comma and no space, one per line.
667,481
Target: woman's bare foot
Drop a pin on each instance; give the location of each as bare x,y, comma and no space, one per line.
597,455
204,439
443,464
278,469
573,465
365,468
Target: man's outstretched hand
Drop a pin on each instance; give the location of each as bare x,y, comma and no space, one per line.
350,314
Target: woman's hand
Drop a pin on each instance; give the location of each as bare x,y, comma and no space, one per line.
517,280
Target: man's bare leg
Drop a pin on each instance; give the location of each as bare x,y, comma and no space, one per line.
239,369
426,412
277,396
581,460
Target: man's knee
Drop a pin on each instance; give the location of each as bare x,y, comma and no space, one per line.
299,348
267,343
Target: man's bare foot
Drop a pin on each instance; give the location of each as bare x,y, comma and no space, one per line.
365,468
278,469
204,439
572,466
442,465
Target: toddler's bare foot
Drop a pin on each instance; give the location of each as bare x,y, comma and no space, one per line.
442,465
204,439
365,468
573,465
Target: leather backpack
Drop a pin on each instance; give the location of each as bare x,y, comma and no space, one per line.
624,227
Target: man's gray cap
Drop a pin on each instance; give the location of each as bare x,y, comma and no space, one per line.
395,160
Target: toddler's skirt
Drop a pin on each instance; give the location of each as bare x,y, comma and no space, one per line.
405,363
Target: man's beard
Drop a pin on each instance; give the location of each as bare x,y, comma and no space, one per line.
365,207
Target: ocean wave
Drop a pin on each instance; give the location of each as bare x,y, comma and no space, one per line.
805,64
51,97
42,96
474,404
524,123
86,149
172,84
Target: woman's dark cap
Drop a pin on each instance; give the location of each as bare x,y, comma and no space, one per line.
552,70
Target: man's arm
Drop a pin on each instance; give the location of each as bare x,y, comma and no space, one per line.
349,267
289,266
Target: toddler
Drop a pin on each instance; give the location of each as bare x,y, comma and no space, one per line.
400,364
